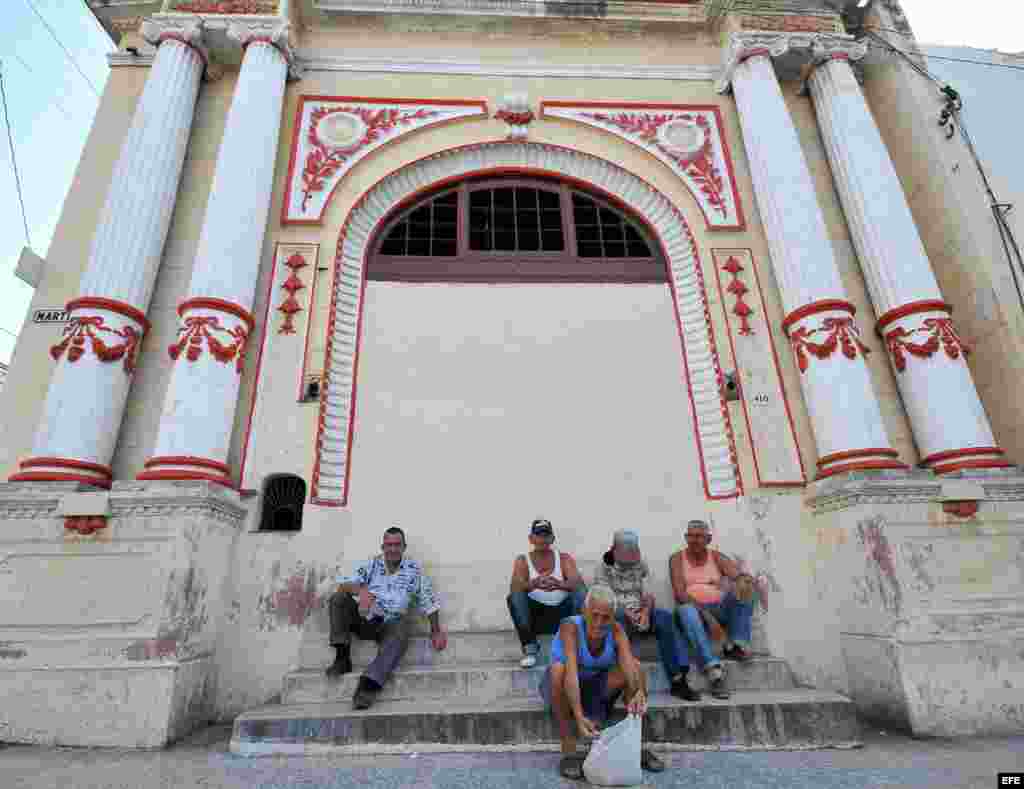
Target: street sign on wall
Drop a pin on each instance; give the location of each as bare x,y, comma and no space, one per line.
54,315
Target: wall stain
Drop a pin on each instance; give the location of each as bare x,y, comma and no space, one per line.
8,651
288,601
880,574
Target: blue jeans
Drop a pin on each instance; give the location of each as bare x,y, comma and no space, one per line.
532,618
732,614
671,649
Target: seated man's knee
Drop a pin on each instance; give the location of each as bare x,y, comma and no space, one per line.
341,599
688,614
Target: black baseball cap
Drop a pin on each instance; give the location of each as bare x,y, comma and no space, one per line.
542,528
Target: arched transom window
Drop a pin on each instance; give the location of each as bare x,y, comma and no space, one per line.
514,230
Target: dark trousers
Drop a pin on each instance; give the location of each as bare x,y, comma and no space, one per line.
672,649
533,619
392,637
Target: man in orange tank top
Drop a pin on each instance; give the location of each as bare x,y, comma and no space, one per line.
697,574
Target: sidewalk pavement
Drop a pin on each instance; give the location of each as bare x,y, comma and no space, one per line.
888,759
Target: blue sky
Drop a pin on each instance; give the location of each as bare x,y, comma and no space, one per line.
51,109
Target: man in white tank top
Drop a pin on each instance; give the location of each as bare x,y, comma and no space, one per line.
546,587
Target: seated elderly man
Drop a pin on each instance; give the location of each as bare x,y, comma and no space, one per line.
592,664
386,586
546,588
623,570
697,574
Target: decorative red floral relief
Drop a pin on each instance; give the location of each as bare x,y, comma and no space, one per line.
701,167
292,285
84,333
226,6
739,290
205,327
940,333
838,333
323,161
514,118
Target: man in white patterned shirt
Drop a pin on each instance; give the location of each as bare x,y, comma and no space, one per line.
386,587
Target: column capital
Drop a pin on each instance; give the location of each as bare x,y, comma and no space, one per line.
275,32
187,30
815,47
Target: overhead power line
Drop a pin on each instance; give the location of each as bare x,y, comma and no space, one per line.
60,43
14,160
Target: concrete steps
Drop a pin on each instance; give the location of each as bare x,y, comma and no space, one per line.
794,718
488,681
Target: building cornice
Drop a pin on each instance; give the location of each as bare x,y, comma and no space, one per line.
815,47
318,61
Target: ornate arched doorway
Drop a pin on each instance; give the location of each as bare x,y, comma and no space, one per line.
525,213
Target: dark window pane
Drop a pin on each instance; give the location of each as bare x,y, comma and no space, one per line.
551,220
548,199
393,247
585,214
421,214
614,249
612,232
504,240
638,250
553,241
587,233
529,220
449,199
503,198
504,221
632,234
398,231
529,241
609,217
589,250
444,213
479,219
419,230
480,198
526,198
446,248
445,230
419,247
480,240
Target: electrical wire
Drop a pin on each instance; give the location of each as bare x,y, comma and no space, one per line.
61,45
954,105
14,160
8,331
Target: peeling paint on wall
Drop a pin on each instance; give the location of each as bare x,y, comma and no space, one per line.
879,577
8,651
288,601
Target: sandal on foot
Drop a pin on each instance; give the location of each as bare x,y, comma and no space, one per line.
571,767
650,761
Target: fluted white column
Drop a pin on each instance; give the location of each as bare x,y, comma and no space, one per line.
946,414
216,319
841,401
96,356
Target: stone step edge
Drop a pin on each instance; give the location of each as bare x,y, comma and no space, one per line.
257,749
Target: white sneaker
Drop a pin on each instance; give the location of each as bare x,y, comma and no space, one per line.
528,661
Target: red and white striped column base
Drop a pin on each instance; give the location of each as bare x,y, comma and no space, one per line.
63,470
929,360
169,467
95,358
840,399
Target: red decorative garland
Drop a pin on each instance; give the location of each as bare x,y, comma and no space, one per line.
293,284
200,327
85,524
513,118
738,289
940,334
701,168
322,163
841,332
225,7
79,329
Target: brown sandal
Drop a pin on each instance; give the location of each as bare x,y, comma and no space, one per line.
571,767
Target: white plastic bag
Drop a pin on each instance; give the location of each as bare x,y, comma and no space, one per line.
614,760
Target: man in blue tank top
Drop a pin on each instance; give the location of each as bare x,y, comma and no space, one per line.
591,665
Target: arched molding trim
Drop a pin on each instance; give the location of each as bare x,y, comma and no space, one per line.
712,427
